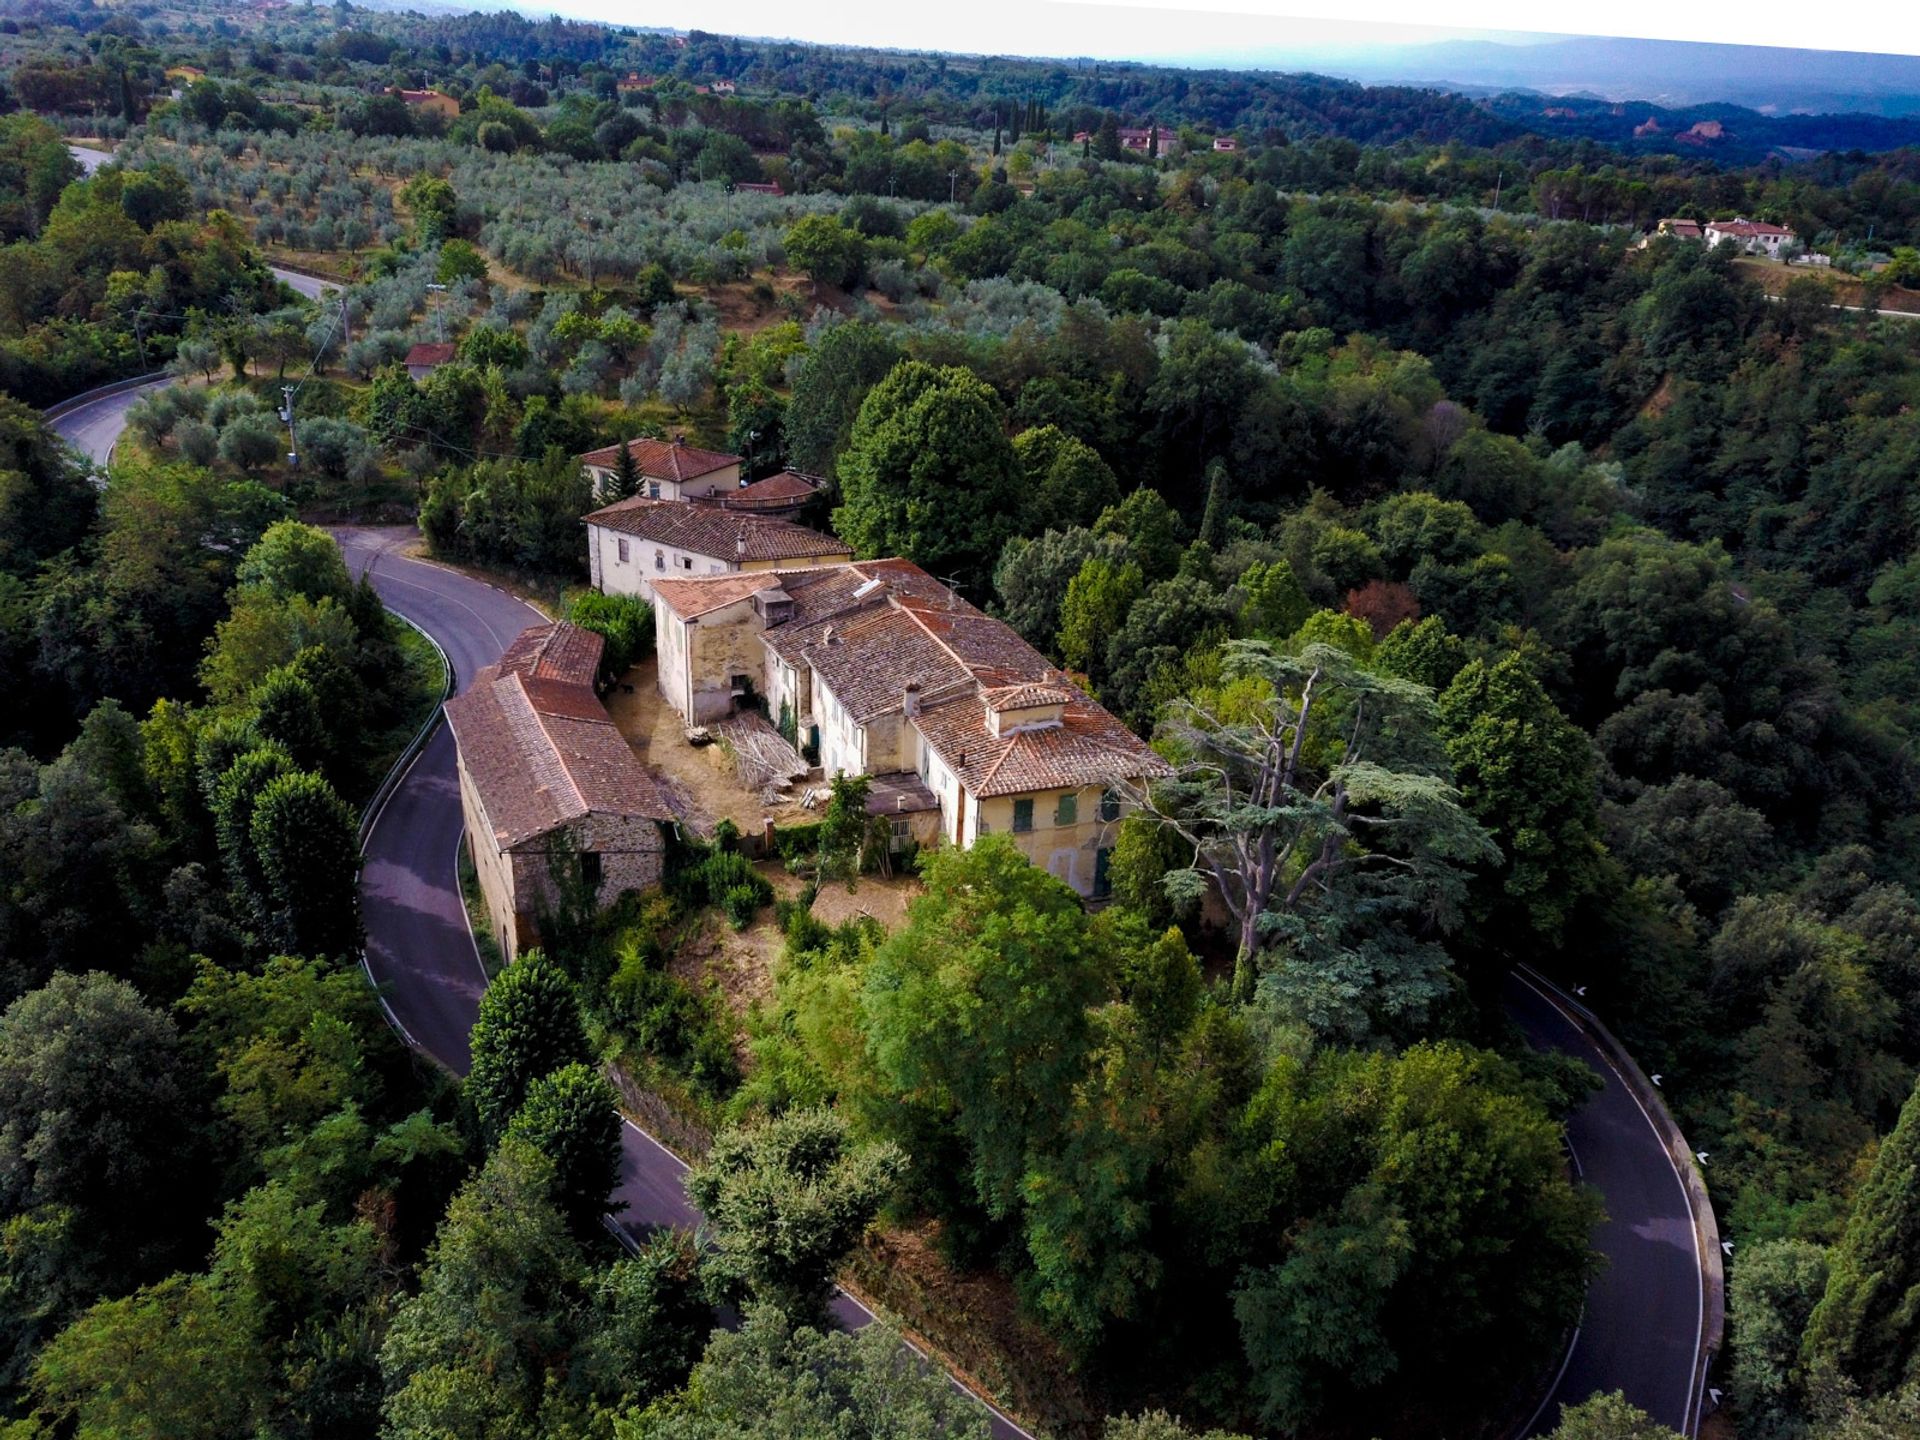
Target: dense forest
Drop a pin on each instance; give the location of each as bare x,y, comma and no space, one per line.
1575,578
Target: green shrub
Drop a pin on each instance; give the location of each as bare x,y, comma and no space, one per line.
721,871
673,1023
741,903
626,624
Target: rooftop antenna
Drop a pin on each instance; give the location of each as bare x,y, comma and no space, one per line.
953,584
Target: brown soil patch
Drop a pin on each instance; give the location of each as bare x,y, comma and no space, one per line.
1660,401
701,776
973,1321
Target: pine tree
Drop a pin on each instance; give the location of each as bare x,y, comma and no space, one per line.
1867,1325
626,475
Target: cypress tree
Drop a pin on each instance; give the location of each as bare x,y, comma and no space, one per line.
1867,1325
1213,520
529,1026
626,475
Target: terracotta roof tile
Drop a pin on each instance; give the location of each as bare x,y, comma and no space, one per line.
690,599
722,534
663,459
430,354
541,749
556,651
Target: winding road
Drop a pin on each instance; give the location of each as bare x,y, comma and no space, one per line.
1644,1325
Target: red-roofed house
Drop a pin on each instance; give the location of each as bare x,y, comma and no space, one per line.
546,779
631,544
669,469
431,100
892,675
423,360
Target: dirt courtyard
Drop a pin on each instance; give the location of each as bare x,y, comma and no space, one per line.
701,777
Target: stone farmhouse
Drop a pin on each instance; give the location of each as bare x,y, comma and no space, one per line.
965,728
540,759
1751,235
632,544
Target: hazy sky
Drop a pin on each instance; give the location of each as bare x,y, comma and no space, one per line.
1216,31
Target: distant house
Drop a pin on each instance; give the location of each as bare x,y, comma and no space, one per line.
547,780
1080,137
423,360
722,87
1753,236
759,187
633,544
429,100
1225,142
633,82
964,728
1680,229
669,469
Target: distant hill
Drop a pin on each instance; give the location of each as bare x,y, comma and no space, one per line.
1731,134
1671,73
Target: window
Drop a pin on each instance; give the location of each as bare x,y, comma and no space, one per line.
590,870
653,489
900,835
1102,873
686,562
1022,816
659,559
1110,805
1067,811
622,543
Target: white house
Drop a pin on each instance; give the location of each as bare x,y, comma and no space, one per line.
668,469
1754,236
633,543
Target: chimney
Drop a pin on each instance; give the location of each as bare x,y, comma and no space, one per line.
679,437
827,637
740,545
910,700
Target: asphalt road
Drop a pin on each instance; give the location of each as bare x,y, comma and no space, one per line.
1641,1329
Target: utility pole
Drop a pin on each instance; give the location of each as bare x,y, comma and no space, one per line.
440,320
286,414
953,183
1500,176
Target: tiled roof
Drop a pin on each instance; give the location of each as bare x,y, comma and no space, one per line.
557,651
868,661
707,530
893,625
663,459
1747,227
690,599
1088,747
541,749
776,492
430,354
1026,697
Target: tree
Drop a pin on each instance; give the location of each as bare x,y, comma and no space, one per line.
774,1379
296,559
976,1017
830,253
1066,481
835,376
46,500
571,1117
250,441
1867,1325
528,1027
1526,773
928,473
1770,1295
1608,1417
1093,611
625,482
459,261
93,1112
1276,822
650,1318
432,203
287,714
786,1200
306,845
470,1354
